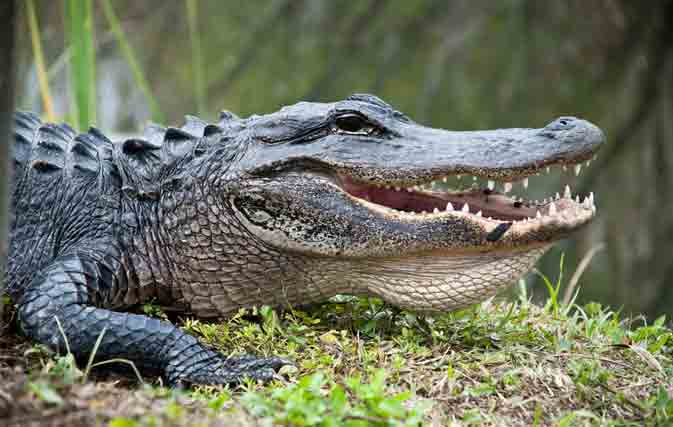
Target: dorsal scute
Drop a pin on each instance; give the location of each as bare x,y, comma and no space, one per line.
154,133
25,127
226,117
25,124
98,138
84,150
178,135
161,152
51,147
194,126
138,147
178,144
46,148
55,138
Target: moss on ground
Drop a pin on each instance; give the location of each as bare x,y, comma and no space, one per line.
360,363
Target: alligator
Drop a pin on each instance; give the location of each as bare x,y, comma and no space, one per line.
283,209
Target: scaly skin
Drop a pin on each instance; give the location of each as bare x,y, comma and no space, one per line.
283,209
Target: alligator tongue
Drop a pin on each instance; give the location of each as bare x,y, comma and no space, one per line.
490,204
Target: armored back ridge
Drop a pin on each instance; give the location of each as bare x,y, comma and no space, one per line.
280,209
65,189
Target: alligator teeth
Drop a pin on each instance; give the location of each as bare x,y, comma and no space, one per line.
558,196
548,169
435,210
566,193
577,198
479,213
398,189
591,197
466,208
578,169
387,187
409,189
449,207
538,215
525,183
507,187
552,209
491,185
564,168
474,178
459,176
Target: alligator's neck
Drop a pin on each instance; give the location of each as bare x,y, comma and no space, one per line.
198,255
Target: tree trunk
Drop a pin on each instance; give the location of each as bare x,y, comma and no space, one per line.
7,16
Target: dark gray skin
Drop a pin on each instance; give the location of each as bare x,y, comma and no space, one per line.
282,209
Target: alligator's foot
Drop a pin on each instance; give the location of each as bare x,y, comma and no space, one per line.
219,369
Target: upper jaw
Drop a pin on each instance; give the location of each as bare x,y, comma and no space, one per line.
419,154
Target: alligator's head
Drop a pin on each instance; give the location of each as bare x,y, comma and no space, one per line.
418,216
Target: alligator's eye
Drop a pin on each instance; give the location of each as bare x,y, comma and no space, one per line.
353,123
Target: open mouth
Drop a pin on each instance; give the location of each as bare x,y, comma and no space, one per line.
488,201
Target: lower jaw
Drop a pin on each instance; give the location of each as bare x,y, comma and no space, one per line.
434,283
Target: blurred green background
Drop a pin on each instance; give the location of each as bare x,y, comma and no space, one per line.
451,64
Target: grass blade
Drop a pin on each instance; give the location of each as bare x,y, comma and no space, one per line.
42,78
197,66
65,338
130,58
125,361
79,37
92,355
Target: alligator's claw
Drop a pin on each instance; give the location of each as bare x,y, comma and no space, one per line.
226,370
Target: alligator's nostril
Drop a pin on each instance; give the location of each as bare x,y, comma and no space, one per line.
563,122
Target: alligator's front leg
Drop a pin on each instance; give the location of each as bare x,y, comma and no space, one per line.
75,286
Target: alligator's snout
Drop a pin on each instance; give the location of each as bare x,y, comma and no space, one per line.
580,134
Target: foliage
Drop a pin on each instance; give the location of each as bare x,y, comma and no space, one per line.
361,362
79,28
131,59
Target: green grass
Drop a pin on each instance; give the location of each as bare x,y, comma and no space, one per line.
80,44
80,40
360,362
43,80
131,59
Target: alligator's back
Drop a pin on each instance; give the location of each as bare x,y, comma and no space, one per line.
74,199
64,190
